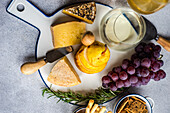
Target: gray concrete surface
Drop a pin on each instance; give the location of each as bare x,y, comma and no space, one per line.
22,94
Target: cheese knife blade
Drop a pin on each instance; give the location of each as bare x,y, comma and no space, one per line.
51,56
55,54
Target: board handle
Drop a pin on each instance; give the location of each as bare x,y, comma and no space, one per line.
164,43
26,11
31,67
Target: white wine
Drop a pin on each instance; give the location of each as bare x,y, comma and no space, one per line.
147,6
119,29
122,28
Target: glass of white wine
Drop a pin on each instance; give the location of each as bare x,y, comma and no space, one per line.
147,6
122,28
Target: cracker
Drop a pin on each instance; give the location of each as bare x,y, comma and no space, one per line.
138,99
123,104
135,107
130,101
127,110
123,111
145,111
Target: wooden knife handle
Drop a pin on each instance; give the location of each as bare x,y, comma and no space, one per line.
31,67
165,43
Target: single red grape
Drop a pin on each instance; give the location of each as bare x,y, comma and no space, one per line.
123,75
147,79
156,78
112,86
151,74
119,84
114,77
156,54
125,63
105,85
136,62
133,79
160,62
134,56
137,84
110,73
144,72
153,59
144,81
155,66
131,70
145,62
161,73
152,45
118,69
157,48
139,48
147,49
106,79
127,83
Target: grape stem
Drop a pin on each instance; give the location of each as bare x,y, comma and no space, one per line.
105,49
112,92
160,57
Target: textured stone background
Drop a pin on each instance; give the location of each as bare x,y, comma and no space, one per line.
22,94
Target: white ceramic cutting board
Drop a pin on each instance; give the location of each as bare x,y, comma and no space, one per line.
36,18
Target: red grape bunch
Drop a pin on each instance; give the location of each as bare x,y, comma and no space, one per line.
144,65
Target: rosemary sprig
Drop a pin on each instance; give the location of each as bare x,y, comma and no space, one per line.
100,95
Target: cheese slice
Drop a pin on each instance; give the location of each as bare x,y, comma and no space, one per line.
63,74
69,33
85,11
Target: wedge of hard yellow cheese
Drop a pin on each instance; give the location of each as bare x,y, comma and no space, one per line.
68,33
63,74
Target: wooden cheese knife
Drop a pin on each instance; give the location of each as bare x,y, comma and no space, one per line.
51,56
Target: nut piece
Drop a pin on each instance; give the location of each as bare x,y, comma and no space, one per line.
88,38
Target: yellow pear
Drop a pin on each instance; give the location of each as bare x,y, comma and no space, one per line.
97,54
92,66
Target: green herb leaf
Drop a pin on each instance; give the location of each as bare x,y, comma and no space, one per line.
100,95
